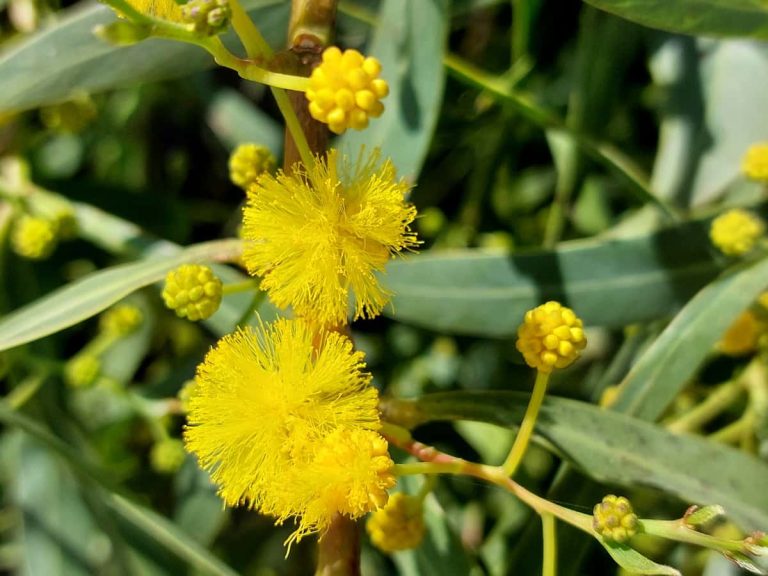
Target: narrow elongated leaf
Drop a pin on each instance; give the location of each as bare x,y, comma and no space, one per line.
699,17
160,529
413,65
66,57
86,297
607,282
634,562
668,365
616,448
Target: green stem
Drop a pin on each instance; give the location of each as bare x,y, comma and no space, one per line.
495,475
426,488
237,287
294,126
677,530
250,36
715,404
21,394
734,431
523,437
549,533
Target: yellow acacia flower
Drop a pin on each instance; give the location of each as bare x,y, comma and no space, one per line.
285,421
345,90
249,161
551,336
34,238
317,234
614,519
755,162
736,231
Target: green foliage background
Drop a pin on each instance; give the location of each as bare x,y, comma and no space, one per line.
560,151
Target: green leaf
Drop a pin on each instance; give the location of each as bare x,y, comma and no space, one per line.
698,17
634,562
86,297
160,529
412,64
31,77
607,282
236,120
668,365
615,448
714,112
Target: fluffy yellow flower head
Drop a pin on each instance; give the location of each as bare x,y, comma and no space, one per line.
345,89
315,235
755,162
285,421
399,525
551,336
736,232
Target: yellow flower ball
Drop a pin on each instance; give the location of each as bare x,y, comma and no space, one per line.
345,90
82,370
397,526
736,231
551,336
248,162
34,238
121,320
614,519
193,291
755,162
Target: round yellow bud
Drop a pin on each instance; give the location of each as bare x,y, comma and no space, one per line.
121,320
167,456
34,238
397,526
193,291
736,232
206,17
551,336
614,519
81,371
248,162
345,90
755,162
742,336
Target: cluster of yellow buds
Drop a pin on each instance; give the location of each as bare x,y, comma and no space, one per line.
345,90
193,291
551,336
82,370
120,320
33,237
614,519
248,162
206,17
399,525
736,232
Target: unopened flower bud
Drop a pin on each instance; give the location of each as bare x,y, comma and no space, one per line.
736,232
397,526
167,456
248,162
82,370
121,320
755,162
193,291
207,17
34,238
614,519
551,336
345,90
